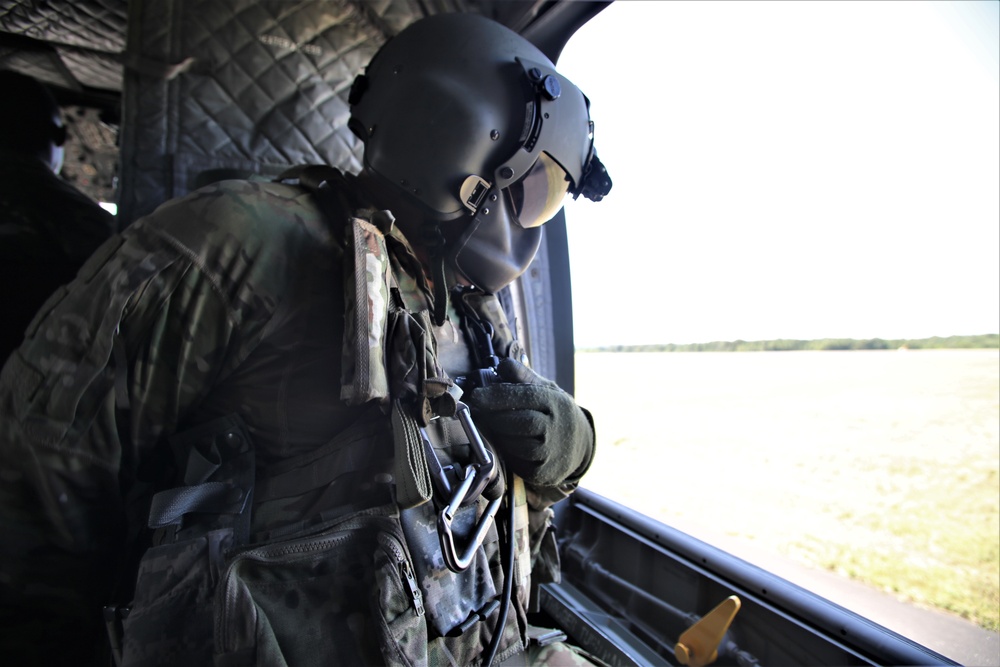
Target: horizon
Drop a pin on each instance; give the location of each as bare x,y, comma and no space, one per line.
801,340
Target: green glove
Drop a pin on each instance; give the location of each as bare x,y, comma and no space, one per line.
536,427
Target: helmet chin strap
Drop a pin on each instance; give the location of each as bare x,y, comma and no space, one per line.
434,241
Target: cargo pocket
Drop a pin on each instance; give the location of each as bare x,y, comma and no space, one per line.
310,600
170,620
399,604
456,600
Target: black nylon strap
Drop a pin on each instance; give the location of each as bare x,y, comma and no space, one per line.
434,240
331,192
169,507
122,403
201,467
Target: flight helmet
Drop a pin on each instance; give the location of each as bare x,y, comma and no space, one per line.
471,121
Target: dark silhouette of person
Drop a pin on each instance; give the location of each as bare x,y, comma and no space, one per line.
48,228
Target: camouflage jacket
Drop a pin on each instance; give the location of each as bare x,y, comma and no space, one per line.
227,304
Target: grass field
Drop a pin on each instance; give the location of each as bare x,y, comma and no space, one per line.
882,466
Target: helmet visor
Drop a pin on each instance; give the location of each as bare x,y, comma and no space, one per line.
537,197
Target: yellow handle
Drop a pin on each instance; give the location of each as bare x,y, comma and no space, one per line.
699,645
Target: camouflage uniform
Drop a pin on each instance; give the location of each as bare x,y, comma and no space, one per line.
223,307
47,230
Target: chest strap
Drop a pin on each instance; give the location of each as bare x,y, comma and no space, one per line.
390,353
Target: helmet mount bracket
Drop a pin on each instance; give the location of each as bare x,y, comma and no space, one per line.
473,191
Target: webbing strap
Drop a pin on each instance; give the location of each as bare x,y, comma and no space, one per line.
169,507
413,479
201,467
122,403
376,324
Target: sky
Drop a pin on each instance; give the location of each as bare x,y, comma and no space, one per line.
789,170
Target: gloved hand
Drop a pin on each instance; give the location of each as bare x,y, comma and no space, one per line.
536,427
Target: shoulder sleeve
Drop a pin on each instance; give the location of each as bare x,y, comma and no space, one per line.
187,293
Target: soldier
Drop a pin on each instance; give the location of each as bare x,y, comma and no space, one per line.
287,423
47,227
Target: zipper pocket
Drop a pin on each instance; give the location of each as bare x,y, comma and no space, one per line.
395,549
228,592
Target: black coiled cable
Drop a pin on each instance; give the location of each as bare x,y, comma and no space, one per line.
508,576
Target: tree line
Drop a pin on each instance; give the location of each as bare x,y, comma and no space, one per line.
786,345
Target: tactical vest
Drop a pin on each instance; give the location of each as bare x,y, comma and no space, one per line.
378,547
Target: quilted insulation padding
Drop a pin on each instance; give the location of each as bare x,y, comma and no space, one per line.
256,87
86,37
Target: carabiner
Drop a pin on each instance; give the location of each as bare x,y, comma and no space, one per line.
477,477
484,460
454,561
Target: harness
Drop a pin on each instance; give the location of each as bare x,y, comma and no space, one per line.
390,370
394,356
